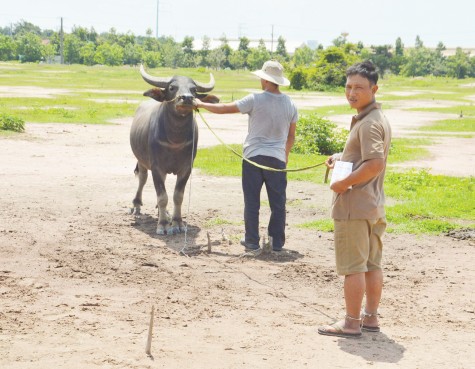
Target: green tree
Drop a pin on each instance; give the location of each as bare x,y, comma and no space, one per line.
126,39
205,50
72,49
49,52
418,44
281,49
244,44
258,56
24,27
330,68
7,48
240,58
109,54
398,58
216,58
87,53
226,49
399,47
29,47
172,54
303,56
419,62
152,59
459,65
132,54
188,52
382,58
440,66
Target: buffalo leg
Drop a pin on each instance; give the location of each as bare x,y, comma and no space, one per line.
177,224
162,201
142,173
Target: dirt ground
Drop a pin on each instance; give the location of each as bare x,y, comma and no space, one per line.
79,275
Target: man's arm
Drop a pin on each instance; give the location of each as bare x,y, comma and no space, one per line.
369,169
218,108
290,141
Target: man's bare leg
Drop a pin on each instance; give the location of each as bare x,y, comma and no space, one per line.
374,288
354,288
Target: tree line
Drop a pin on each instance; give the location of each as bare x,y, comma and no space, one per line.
315,69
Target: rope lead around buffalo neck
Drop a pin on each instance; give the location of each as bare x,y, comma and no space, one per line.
183,250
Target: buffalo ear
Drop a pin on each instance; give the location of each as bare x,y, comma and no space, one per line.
209,99
156,94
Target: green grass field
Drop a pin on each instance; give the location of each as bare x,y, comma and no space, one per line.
419,202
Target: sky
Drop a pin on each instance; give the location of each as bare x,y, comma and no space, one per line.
373,22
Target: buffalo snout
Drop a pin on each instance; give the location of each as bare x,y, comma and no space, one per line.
186,99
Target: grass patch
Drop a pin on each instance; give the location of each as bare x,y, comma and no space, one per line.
66,109
324,225
467,110
405,149
217,222
452,125
429,203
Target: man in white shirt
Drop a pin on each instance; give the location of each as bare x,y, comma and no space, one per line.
271,134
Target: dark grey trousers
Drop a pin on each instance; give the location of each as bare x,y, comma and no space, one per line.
276,185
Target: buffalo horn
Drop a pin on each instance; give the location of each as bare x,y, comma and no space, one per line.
160,82
205,87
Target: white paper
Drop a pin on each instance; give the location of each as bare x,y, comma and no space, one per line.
341,170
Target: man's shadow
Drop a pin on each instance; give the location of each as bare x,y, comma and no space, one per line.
376,347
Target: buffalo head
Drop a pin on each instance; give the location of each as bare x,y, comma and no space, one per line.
179,91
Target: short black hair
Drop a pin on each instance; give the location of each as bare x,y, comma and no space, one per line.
365,69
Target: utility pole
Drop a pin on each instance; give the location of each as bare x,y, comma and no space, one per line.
156,24
61,43
272,41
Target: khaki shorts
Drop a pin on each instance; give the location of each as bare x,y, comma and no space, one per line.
358,245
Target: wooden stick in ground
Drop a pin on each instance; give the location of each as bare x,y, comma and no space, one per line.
148,347
209,241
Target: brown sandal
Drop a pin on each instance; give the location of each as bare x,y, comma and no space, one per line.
336,330
369,328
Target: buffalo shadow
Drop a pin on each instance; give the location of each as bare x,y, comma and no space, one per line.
179,242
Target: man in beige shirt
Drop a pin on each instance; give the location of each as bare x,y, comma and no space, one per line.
358,205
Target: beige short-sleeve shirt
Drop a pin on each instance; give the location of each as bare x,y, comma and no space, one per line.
369,138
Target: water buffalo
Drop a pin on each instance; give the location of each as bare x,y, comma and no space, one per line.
164,139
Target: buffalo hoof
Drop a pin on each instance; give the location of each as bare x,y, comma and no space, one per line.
176,227
175,230
135,211
161,230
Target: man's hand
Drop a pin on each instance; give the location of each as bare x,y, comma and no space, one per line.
340,186
197,103
331,160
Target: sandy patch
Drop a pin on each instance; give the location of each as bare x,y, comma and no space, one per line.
116,101
32,91
138,93
448,156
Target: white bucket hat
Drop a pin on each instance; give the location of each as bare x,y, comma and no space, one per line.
272,71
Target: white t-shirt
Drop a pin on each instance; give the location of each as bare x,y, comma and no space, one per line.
270,116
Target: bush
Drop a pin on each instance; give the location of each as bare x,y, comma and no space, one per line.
316,135
297,78
11,123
